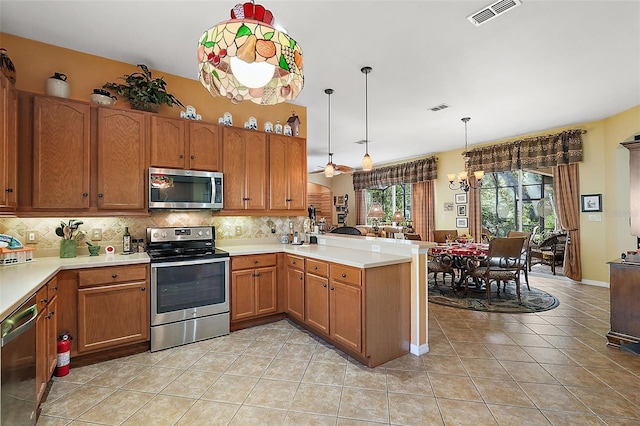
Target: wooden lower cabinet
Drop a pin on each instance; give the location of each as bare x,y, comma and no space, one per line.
317,302
624,280
46,335
295,287
345,314
253,286
113,307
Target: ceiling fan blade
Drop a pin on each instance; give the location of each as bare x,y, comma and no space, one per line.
344,169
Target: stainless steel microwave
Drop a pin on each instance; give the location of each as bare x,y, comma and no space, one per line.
185,189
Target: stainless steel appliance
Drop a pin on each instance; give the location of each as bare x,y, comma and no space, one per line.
189,286
185,189
18,359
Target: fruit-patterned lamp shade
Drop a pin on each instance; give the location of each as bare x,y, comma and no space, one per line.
246,59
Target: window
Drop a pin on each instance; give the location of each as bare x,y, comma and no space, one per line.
517,200
392,198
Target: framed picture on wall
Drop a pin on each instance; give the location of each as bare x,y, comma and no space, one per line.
461,198
462,222
462,210
591,203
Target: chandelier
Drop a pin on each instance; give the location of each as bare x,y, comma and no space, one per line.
463,180
246,58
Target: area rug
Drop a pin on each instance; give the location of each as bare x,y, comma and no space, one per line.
533,300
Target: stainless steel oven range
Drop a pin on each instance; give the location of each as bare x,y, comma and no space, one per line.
189,286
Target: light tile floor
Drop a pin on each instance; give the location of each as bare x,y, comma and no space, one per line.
482,369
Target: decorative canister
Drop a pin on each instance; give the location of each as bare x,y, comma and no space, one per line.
57,85
6,66
68,248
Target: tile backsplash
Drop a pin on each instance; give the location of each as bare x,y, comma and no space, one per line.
48,243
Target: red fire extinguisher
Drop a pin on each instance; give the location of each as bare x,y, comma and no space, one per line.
64,355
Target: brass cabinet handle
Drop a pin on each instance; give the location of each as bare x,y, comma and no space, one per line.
300,277
45,300
315,268
193,157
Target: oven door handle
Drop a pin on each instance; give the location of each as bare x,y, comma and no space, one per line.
190,262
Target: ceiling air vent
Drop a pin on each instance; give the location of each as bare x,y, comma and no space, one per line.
439,107
492,11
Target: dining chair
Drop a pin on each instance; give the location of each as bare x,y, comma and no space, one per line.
550,251
441,235
525,252
442,263
504,264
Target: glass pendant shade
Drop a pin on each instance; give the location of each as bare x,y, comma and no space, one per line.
246,58
329,170
367,163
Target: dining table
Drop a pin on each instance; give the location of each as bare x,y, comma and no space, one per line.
461,254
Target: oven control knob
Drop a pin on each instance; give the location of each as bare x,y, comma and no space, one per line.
200,233
207,233
163,234
155,235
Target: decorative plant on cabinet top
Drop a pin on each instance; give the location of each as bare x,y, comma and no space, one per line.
143,91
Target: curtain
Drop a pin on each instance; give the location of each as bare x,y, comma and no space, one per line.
360,207
565,180
475,211
538,152
422,209
412,172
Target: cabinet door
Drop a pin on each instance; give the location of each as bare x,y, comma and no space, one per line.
234,166
317,302
266,290
204,147
345,315
8,144
113,315
61,137
121,159
287,173
295,293
41,353
243,300
257,167
52,336
168,144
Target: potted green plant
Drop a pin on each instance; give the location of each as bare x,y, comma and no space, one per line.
143,91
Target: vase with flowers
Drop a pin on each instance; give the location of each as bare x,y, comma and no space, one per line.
69,233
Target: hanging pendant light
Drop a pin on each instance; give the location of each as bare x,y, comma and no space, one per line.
246,58
329,169
367,163
463,177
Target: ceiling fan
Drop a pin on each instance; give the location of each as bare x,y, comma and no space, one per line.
338,168
331,168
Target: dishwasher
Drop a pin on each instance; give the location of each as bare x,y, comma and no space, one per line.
18,366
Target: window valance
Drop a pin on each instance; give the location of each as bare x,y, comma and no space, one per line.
382,177
537,152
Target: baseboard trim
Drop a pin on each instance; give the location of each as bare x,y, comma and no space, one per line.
419,350
593,282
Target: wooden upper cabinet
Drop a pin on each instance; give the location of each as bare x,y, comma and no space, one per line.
168,144
121,159
8,145
180,144
61,154
287,172
245,166
204,147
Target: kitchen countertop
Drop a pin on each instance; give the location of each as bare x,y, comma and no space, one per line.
18,282
349,257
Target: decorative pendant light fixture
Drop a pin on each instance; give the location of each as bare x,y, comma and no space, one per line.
463,181
246,58
367,164
329,169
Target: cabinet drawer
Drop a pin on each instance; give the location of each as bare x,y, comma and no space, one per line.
111,275
253,261
295,262
346,274
41,298
317,267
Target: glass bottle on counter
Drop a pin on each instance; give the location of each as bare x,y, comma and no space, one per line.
126,241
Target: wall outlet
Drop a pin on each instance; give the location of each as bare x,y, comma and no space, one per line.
32,236
375,247
238,231
322,241
595,218
96,234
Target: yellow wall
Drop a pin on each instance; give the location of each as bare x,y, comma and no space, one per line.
35,62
